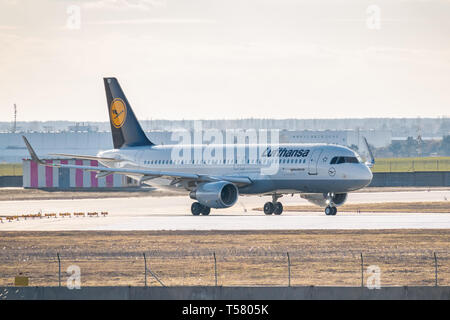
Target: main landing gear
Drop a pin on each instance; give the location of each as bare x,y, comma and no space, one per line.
274,206
330,211
197,208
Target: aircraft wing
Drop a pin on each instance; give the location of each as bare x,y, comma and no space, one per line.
76,156
151,174
142,173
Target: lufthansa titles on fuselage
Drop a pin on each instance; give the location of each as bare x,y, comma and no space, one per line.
285,152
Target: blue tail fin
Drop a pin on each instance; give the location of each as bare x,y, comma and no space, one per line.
126,130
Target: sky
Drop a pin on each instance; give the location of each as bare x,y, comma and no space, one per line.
211,59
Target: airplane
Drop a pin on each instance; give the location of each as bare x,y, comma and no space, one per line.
323,174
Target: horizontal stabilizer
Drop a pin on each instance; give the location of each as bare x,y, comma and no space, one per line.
77,156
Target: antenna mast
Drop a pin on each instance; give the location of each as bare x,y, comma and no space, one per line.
15,119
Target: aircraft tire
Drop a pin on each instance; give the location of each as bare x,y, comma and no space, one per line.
196,208
269,208
206,210
278,208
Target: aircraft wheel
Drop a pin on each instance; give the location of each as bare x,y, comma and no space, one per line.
334,211
196,208
329,211
269,208
206,210
278,208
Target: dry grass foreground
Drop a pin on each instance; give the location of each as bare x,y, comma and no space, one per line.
248,258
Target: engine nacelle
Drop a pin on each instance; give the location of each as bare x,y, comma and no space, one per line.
219,194
323,200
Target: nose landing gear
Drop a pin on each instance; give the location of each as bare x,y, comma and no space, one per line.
331,209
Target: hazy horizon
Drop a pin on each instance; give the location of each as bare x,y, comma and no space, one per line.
211,59
106,120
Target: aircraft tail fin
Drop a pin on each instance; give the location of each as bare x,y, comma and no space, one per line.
126,130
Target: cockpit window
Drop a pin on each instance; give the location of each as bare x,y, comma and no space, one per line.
339,160
351,160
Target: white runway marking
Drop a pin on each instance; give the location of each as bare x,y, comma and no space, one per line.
173,213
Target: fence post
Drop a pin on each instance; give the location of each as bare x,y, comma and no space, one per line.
215,267
59,269
435,270
362,271
289,269
145,270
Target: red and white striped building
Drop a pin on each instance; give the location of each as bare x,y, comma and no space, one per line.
36,176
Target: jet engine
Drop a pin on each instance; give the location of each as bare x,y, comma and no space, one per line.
325,199
219,194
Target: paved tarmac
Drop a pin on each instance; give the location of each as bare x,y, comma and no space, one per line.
173,213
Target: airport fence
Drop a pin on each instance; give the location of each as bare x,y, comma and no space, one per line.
230,268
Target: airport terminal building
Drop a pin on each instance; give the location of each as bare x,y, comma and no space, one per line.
13,150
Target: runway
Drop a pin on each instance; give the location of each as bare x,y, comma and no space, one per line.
173,213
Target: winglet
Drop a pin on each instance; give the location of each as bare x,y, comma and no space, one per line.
371,161
33,155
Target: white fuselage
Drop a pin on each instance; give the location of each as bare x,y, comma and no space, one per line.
285,168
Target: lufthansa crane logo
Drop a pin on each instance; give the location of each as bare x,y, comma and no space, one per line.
332,171
118,113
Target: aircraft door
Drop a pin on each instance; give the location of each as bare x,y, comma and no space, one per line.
313,161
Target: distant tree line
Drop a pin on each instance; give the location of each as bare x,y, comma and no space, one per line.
415,147
399,127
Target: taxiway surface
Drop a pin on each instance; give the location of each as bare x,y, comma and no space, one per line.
173,213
